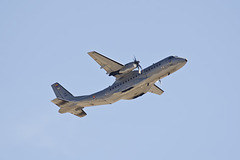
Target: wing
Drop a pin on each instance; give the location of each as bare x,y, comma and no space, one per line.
155,89
106,63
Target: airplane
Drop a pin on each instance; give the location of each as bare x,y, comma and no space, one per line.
129,83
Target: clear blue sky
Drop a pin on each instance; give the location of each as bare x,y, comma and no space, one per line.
197,117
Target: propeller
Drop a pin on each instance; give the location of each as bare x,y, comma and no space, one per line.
138,65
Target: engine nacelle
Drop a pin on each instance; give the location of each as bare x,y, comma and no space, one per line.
125,69
128,67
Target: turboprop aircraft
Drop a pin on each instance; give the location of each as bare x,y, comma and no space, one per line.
129,84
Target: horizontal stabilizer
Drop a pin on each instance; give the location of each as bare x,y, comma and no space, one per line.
69,106
63,103
78,112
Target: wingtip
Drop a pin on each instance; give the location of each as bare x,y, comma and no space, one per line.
92,52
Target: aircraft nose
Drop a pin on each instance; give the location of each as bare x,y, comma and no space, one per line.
183,61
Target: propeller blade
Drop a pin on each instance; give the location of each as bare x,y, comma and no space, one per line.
139,70
138,65
134,59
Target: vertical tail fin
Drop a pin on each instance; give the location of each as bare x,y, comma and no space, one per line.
61,92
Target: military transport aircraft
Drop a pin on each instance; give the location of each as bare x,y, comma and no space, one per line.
129,83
